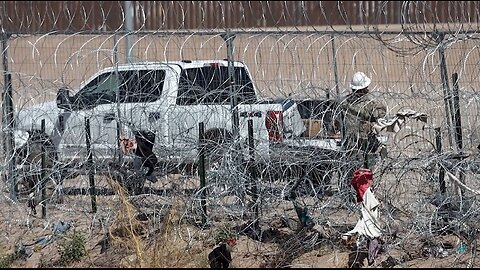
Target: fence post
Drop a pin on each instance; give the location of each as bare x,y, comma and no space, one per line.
43,179
129,25
335,71
457,123
253,172
91,176
456,113
229,37
201,169
7,121
441,173
118,152
446,88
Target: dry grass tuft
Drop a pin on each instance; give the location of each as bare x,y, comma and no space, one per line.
127,233
166,247
172,246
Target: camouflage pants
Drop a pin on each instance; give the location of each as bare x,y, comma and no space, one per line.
359,153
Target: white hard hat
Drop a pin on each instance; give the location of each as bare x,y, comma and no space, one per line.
360,81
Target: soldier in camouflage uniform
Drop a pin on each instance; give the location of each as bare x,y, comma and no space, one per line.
360,113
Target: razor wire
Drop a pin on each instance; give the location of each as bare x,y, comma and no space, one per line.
300,50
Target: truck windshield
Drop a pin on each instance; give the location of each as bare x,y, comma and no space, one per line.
210,85
101,90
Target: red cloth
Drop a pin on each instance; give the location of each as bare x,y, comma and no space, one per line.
361,181
232,242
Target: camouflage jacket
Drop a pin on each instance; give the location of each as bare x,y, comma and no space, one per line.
360,113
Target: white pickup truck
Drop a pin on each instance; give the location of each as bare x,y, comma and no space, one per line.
163,101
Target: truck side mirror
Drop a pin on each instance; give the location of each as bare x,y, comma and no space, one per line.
63,99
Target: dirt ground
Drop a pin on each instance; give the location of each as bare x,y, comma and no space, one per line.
154,230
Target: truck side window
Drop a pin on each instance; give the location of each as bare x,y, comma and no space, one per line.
101,90
189,91
245,87
141,85
210,85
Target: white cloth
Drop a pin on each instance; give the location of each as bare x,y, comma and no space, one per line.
369,224
394,124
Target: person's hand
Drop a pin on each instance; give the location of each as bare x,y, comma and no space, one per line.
127,145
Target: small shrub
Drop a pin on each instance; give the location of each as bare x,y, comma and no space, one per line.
71,248
224,233
7,260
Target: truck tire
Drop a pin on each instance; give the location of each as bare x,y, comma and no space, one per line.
216,143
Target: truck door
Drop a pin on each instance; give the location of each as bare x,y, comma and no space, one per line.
142,106
95,102
201,97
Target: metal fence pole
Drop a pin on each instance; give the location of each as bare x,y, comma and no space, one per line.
457,124
5,91
43,180
335,71
446,87
456,113
229,37
118,152
441,173
201,169
91,176
8,121
253,172
129,24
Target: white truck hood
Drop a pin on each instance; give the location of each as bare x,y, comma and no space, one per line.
31,118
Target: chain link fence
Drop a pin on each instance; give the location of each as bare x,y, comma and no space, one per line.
422,58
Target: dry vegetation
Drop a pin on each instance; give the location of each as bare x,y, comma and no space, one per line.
164,228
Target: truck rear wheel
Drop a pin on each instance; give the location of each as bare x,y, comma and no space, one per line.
216,143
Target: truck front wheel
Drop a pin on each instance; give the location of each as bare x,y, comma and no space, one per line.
29,163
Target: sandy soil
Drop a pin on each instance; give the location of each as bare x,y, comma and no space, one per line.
170,237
